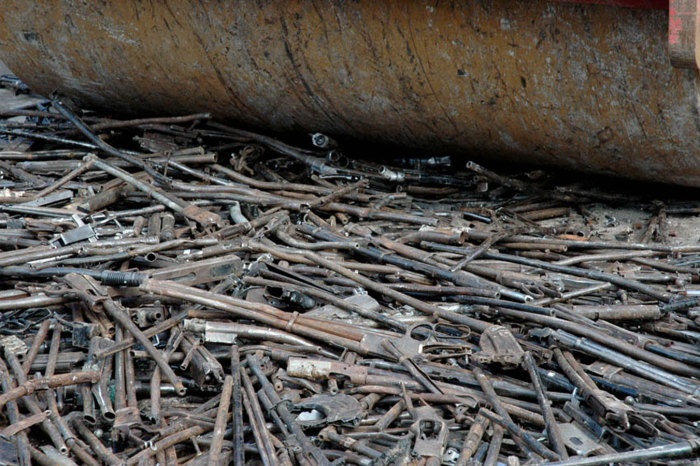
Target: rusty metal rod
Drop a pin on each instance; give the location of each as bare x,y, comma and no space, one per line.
237,407
126,322
553,432
495,402
36,345
257,421
45,383
21,440
472,439
221,418
31,403
310,452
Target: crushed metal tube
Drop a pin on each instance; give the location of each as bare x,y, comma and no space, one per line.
177,291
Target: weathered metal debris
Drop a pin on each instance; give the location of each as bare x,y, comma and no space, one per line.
176,291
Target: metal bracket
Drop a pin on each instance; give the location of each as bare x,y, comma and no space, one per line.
430,432
338,408
498,345
578,440
684,34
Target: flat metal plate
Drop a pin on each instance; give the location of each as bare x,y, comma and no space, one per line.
578,440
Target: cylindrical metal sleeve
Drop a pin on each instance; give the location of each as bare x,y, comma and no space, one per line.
580,86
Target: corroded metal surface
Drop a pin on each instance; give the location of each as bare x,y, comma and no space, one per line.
626,3
581,86
684,34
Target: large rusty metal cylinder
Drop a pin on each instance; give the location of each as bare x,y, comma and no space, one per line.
589,87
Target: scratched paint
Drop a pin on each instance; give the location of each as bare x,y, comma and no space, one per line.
580,86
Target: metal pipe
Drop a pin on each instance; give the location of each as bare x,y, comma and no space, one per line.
637,456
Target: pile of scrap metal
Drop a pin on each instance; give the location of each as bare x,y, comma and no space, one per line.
177,291
609,86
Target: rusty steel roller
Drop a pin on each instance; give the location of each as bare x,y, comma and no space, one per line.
586,87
